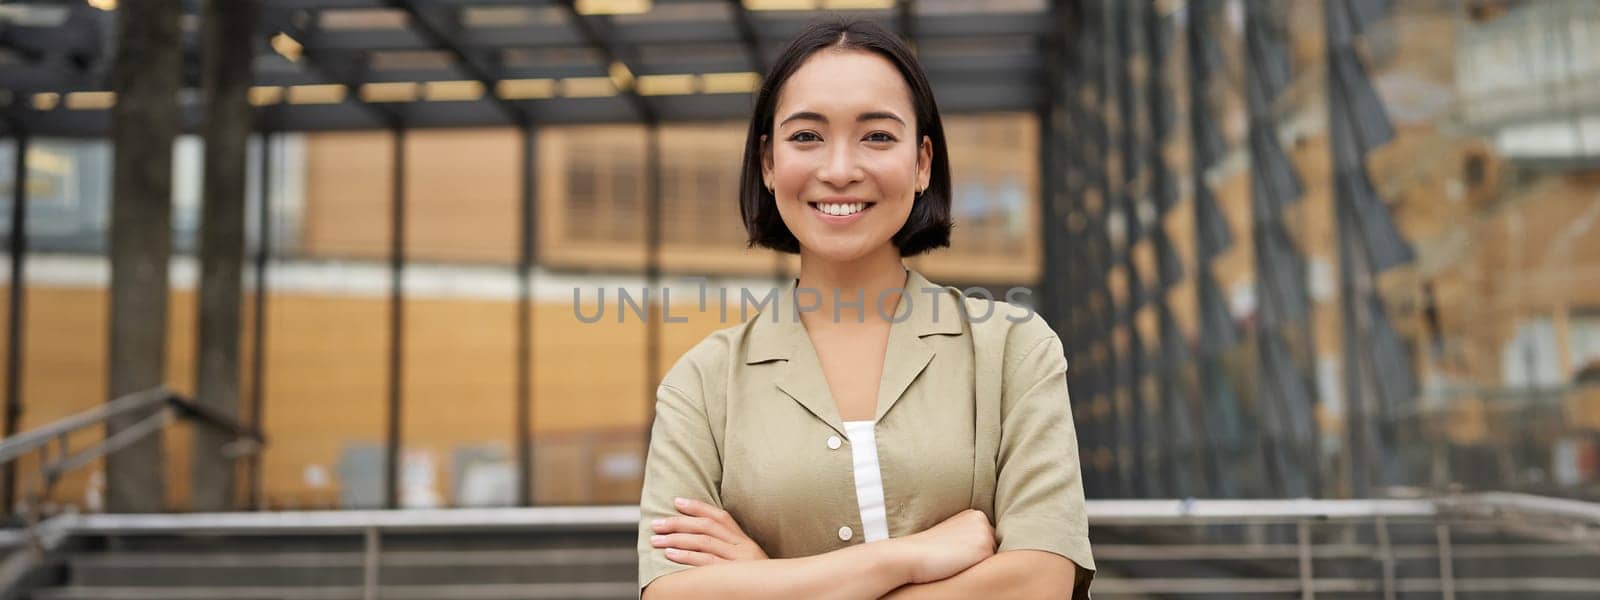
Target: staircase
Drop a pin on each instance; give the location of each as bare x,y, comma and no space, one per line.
1471,547
498,554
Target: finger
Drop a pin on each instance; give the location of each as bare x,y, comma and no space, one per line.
695,542
682,525
692,558
699,525
690,506
697,508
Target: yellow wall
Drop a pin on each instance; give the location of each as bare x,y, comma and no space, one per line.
327,384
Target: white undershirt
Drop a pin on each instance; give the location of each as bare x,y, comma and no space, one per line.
869,479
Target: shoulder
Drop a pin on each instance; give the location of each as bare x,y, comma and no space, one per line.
1011,331
700,369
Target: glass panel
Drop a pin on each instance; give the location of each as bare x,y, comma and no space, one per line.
1496,313
994,176
65,335
327,344
463,195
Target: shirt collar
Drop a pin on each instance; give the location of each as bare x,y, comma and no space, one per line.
800,376
776,332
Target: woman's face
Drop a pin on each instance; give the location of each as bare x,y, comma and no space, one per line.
844,159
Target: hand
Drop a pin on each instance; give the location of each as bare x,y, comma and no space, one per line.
950,547
704,535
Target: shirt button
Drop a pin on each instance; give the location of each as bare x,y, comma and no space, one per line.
833,444
845,534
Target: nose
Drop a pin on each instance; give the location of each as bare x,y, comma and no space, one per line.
841,169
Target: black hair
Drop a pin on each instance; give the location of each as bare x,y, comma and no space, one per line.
929,224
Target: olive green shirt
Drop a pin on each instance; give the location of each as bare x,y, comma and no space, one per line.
972,412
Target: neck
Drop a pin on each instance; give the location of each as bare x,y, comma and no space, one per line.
858,283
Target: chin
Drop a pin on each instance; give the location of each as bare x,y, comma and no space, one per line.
841,250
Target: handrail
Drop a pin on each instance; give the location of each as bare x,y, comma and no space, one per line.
336,522
1289,510
1101,513
42,535
210,417
1304,575
166,406
20,444
1496,504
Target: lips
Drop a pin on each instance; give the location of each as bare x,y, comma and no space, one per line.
839,212
840,209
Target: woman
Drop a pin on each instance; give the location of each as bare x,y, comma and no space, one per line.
855,438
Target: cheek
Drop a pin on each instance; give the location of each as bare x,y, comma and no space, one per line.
892,173
791,169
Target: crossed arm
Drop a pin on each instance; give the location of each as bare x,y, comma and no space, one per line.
730,563
1038,501
1010,574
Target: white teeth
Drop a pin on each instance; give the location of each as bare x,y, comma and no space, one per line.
842,210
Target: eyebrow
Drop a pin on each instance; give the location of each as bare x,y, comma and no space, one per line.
861,118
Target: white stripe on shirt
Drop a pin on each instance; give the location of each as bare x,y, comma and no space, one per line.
869,479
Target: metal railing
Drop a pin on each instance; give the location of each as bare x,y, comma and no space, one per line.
1307,547
370,525
52,442
1144,548
56,457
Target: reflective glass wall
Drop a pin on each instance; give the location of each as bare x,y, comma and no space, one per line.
341,343
1329,249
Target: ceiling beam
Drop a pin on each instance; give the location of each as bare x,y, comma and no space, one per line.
441,40
743,22
908,29
591,29
272,23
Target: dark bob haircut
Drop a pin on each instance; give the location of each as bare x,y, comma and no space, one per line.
929,225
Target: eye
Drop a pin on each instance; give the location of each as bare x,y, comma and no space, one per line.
880,136
805,136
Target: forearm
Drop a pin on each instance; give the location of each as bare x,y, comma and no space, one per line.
865,571
1013,574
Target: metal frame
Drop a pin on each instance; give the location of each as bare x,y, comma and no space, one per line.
52,445
1501,510
652,272
1086,253
258,337
1181,420
1285,392
747,36
997,74
162,406
397,320
1150,466
1109,167
522,429
1091,60
1217,331
596,34
15,320
1002,78
1378,381
438,38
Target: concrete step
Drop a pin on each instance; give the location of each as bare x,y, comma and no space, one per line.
525,591
474,540
399,567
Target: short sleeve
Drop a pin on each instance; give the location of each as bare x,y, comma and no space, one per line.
1038,498
682,461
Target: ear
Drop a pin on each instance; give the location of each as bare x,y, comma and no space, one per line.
766,161
924,163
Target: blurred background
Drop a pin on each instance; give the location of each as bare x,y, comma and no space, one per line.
1341,249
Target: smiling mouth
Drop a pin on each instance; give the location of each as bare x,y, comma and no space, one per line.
841,209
